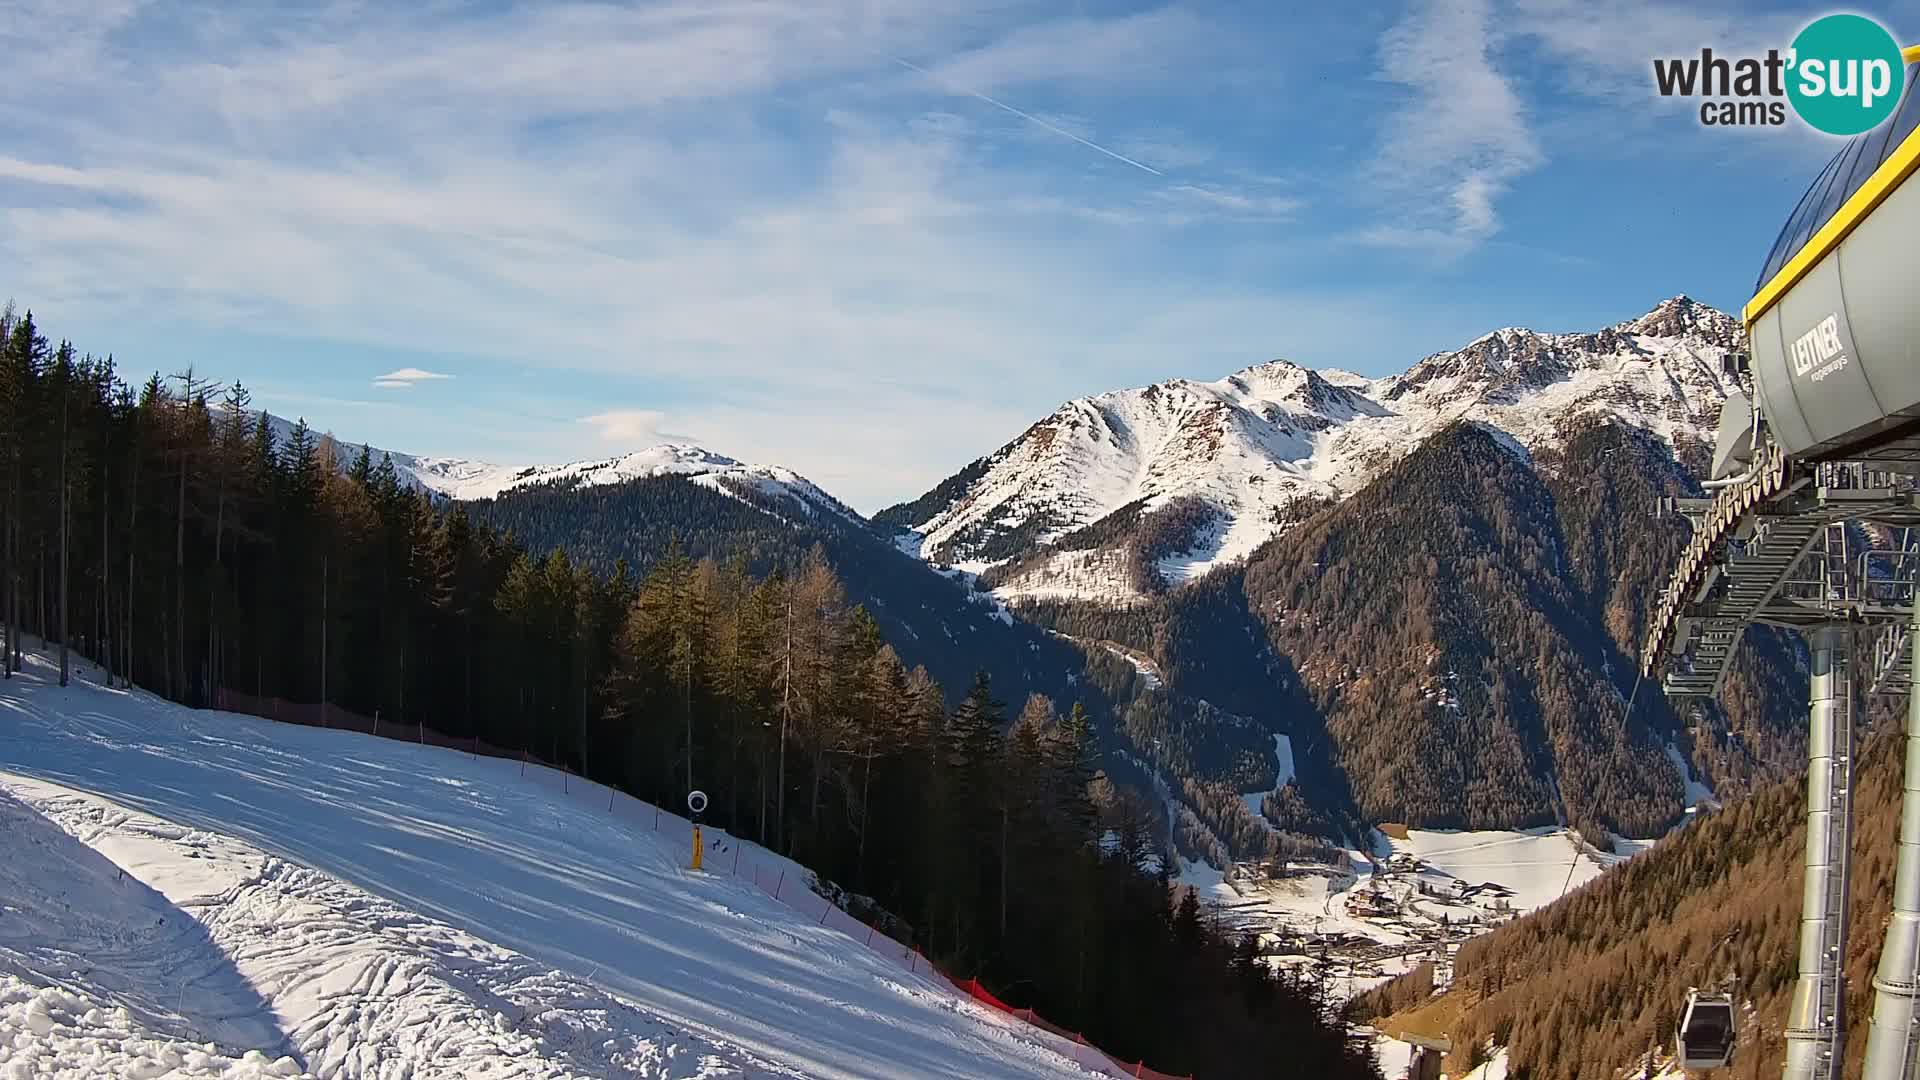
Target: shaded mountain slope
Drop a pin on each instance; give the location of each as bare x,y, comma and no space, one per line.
1204,753
1452,645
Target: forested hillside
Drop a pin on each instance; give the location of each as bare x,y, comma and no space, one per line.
1452,646
168,533
932,619
1205,751
1579,990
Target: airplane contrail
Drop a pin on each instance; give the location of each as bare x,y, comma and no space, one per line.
1029,117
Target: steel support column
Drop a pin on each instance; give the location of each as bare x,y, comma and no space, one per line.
1891,1042
1815,1024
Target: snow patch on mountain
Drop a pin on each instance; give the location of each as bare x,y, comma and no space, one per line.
464,479
1265,446
1695,793
1284,772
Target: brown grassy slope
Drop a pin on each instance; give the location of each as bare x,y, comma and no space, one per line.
1576,991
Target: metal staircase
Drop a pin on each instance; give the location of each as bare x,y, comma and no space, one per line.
1891,670
1752,575
1747,562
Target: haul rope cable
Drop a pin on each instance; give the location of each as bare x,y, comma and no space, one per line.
1625,717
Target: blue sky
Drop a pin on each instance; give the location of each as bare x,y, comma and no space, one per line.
870,239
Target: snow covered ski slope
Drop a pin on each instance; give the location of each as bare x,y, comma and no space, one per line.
203,894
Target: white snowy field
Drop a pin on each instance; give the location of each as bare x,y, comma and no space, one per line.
194,893
1284,771
1539,865
1393,1056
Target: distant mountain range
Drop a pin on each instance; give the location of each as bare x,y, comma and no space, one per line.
1063,510
1431,582
464,479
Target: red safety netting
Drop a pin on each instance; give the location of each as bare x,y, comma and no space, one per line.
1136,1068
722,853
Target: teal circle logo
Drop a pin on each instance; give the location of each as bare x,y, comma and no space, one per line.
1845,74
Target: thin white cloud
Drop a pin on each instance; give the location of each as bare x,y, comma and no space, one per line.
1238,203
407,377
1602,54
634,428
609,192
1609,48
1027,116
1082,49
1167,151
1461,137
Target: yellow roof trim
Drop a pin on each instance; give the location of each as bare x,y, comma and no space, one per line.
1891,173
1911,54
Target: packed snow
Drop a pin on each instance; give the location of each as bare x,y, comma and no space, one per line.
1694,792
1627,847
1255,444
1384,910
206,894
1495,1068
1537,865
282,970
1283,762
1393,1056
1149,675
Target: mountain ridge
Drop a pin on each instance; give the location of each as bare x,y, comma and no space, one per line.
1231,666
1263,446
469,479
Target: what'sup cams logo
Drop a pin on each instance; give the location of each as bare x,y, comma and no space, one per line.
1842,75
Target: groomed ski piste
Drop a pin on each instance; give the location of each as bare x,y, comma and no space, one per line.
187,893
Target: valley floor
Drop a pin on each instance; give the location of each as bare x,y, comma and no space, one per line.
1307,923
203,894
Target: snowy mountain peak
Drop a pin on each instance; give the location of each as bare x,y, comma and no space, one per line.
1683,316
1346,380
1235,461
472,480
1281,379
464,479
676,457
459,478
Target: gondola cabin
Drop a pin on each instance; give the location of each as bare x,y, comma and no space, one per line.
1705,1037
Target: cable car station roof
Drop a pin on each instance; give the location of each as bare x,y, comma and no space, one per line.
1868,168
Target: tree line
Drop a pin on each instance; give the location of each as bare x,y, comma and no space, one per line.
171,534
